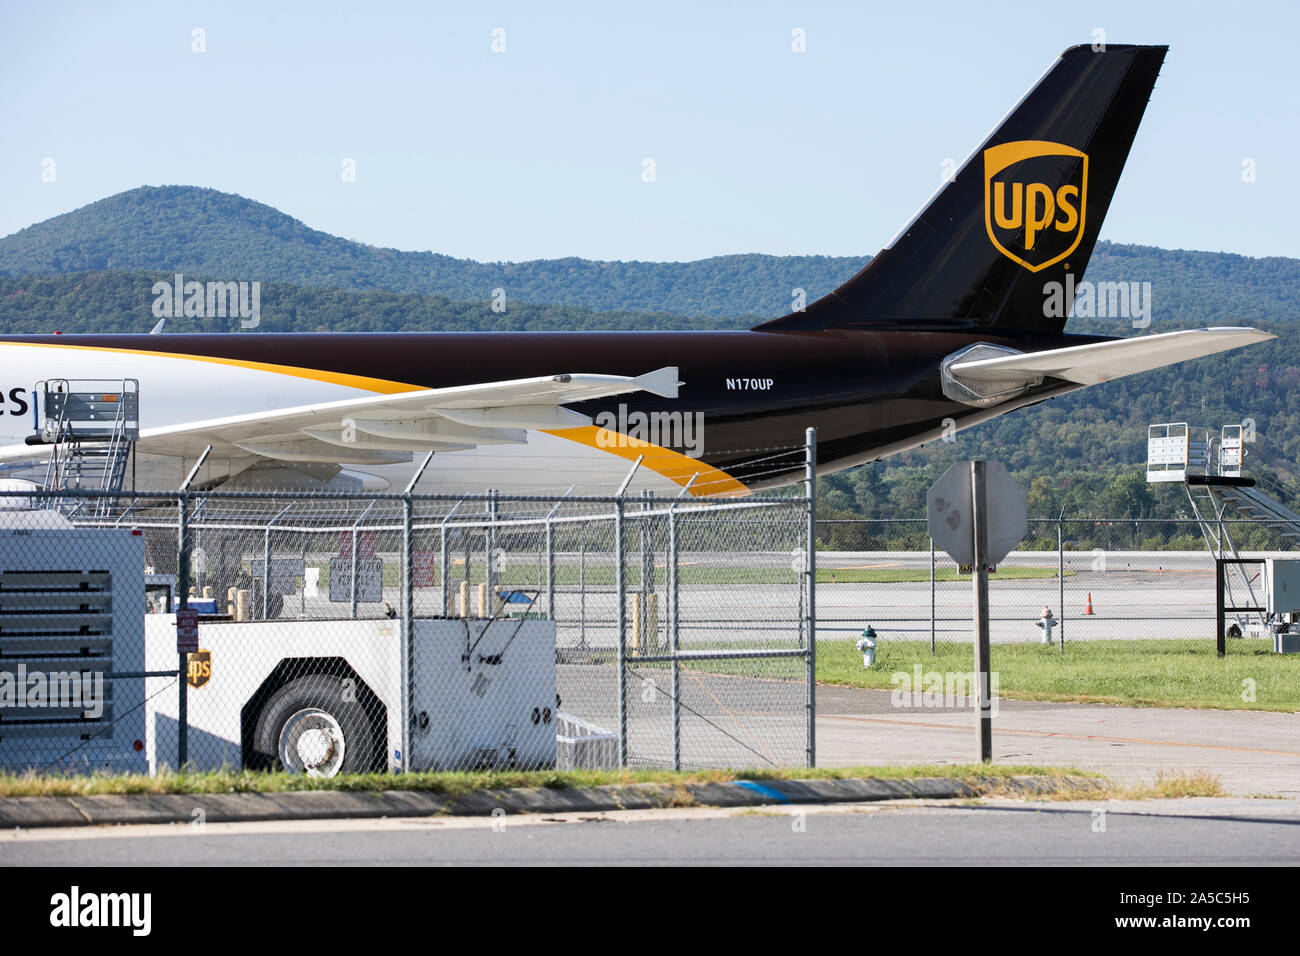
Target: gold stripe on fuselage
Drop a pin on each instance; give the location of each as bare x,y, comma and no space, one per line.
670,464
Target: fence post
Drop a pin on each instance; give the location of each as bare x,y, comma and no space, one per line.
674,634
810,475
354,566
266,573
182,601
490,546
620,585
582,588
1220,612
408,631
444,556
932,597
1060,574
647,575
550,569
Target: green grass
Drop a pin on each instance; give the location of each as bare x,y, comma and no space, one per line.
991,780
452,784
1147,673
1171,785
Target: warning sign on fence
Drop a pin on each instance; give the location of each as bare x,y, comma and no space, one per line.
187,630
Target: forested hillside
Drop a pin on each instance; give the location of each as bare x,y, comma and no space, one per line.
93,270
223,236
123,302
191,230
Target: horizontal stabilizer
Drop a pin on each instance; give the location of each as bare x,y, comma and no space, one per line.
662,382
1102,361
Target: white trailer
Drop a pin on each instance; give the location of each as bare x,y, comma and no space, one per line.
71,625
325,697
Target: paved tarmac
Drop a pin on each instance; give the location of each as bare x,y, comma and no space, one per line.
735,721
1252,752
999,832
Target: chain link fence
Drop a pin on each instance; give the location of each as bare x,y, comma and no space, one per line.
345,634
1101,578
393,632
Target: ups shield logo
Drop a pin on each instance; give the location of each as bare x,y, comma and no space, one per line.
198,668
1035,194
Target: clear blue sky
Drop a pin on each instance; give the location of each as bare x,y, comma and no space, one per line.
537,152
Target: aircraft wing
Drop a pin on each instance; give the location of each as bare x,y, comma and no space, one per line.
385,429
1103,361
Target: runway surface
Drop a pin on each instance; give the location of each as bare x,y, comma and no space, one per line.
754,598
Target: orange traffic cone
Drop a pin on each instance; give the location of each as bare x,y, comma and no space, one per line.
1087,608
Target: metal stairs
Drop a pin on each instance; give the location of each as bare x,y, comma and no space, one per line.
91,427
1253,503
1209,503
1210,469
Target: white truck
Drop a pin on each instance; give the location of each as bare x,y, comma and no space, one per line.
325,697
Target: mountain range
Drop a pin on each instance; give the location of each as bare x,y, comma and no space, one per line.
93,269
204,232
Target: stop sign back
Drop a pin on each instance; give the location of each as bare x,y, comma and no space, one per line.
949,509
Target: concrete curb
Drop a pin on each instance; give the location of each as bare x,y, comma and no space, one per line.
108,809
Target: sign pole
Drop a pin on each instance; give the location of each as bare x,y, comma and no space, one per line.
976,512
980,578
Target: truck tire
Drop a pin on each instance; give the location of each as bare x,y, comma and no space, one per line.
308,727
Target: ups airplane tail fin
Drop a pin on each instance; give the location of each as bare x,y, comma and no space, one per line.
1024,210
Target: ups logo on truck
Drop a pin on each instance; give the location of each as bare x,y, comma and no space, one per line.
198,668
1035,194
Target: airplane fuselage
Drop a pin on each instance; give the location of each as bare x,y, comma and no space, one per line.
744,394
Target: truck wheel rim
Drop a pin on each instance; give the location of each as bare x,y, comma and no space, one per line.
311,742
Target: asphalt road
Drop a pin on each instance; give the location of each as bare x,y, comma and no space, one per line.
1152,833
